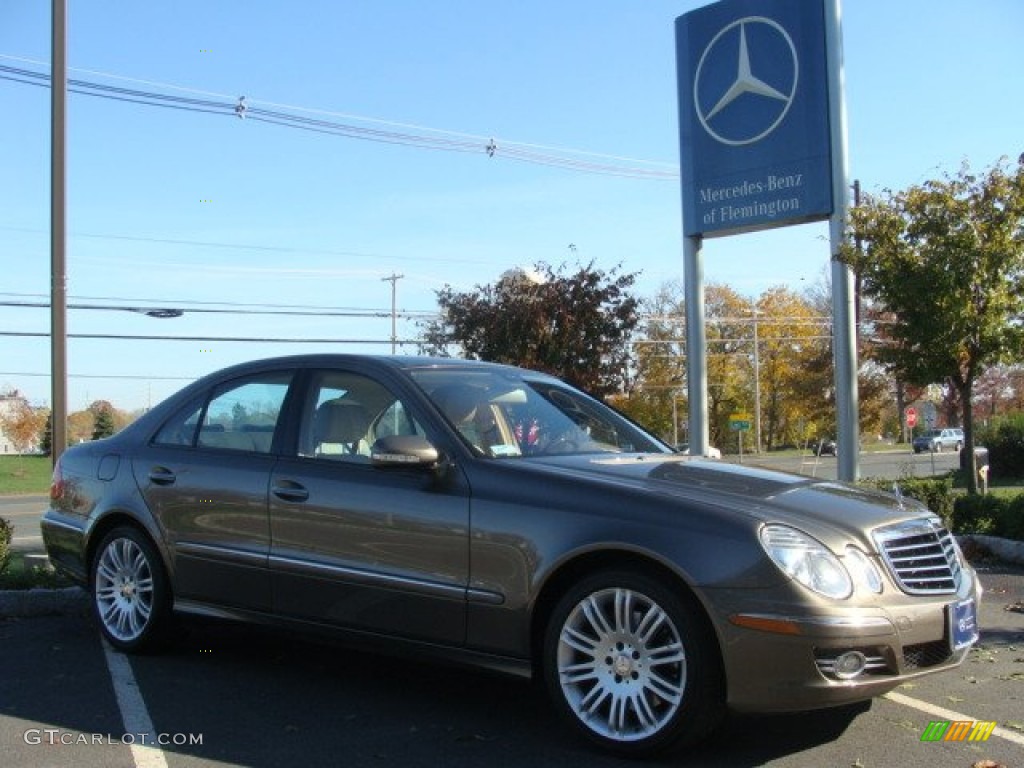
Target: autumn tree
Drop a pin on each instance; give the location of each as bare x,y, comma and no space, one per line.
657,395
876,389
946,258
80,426
20,422
576,326
999,390
730,359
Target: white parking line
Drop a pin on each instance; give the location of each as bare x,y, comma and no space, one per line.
949,714
133,711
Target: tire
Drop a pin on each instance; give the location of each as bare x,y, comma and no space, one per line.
639,683
129,592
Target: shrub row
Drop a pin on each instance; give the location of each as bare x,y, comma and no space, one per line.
993,515
6,533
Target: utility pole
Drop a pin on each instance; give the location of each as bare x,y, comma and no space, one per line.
393,279
58,232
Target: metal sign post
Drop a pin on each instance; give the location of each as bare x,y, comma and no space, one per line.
844,315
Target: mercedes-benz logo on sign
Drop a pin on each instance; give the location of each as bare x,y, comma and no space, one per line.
745,81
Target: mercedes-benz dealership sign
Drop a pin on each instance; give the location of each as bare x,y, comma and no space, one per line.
753,114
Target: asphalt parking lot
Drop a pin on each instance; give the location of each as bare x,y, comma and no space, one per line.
223,695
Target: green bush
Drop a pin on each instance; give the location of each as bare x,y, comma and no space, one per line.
976,514
1010,519
994,515
6,533
1004,438
936,493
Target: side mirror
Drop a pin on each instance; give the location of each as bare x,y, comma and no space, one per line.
404,451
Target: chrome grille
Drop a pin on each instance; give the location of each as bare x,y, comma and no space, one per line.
921,555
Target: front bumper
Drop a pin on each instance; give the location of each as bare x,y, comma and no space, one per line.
778,661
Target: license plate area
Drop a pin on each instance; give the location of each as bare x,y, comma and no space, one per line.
963,624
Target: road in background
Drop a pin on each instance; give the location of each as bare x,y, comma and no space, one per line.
888,465
24,514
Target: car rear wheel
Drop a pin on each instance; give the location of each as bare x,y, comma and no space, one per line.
129,590
633,665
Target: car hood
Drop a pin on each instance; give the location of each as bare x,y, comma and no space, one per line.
832,511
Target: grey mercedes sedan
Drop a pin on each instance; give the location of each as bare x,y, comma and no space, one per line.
497,516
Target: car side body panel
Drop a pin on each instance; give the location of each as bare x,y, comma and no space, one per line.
337,557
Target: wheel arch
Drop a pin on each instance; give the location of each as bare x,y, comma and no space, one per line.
588,563
115,519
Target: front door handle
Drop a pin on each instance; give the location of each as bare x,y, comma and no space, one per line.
288,490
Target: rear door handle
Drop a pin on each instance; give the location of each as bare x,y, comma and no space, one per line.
162,476
289,490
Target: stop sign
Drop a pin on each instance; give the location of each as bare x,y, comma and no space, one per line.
911,416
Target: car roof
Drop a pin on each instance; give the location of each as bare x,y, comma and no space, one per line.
404,362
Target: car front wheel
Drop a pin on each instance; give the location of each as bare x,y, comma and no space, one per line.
129,590
633,665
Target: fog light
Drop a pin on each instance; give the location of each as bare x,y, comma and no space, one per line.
850,664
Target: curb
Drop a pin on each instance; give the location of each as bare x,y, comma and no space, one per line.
28,603
1007,550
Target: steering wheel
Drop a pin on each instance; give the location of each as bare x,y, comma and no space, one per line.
564,441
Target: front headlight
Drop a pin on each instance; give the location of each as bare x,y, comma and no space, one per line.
807,560
861,565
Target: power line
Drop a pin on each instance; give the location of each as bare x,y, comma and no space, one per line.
167,308
117,376
249,246
359,118
257,339
444,141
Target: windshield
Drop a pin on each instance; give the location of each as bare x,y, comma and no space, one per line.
502,414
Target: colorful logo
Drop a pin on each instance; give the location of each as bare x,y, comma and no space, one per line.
958,730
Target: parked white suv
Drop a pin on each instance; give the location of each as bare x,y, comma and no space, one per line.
938,439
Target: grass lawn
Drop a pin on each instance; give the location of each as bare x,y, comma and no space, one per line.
25,474
1007,488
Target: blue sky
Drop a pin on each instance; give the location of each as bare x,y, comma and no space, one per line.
176,207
